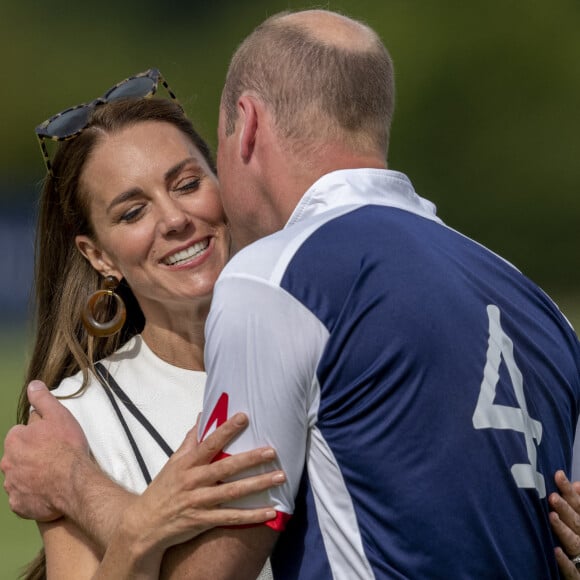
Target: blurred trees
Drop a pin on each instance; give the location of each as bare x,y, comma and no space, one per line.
487,122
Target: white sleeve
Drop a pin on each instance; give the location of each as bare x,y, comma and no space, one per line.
262,351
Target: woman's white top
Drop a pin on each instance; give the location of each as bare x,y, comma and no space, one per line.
168,396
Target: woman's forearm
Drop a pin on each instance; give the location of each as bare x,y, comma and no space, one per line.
129,556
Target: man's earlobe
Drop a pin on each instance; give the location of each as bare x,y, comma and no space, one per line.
249,120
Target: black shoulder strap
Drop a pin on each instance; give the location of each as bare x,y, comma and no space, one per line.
110,384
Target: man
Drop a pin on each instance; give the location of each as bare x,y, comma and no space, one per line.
418,389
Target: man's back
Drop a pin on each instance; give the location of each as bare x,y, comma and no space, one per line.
445,395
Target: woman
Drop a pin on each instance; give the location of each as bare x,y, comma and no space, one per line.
131,197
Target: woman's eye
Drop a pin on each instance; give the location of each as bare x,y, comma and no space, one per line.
132,214
188,185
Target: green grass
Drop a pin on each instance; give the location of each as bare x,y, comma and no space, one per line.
19,539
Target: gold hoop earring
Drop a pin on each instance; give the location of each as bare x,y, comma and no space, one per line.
88,315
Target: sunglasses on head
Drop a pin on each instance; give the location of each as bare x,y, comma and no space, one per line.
72,121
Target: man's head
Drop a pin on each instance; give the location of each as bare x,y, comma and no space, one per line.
323,75
326,84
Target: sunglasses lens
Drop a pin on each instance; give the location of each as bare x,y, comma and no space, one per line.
137,87
69,123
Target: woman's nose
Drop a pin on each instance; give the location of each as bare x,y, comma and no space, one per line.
173,218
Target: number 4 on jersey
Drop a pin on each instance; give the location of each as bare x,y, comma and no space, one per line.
489,415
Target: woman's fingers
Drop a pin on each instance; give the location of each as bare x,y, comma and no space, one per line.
568,491
216,495
206,486
202,453
569,540
213,444
192,459
566,514
236,464
565,520
567,507
165,515
192,491
236,517
567,568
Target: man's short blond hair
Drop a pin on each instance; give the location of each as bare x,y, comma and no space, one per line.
316,88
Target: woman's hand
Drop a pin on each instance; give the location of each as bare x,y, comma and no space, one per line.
184,499
565,520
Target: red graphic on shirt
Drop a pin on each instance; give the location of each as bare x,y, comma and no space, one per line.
218,417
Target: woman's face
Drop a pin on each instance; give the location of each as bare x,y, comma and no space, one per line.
158,220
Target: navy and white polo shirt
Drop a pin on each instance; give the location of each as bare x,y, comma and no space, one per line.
420,391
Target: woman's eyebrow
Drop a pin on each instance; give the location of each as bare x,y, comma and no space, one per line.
170,174
125,196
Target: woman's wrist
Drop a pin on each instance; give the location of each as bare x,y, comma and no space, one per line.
134,551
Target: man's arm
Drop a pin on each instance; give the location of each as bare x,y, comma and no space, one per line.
262,351
49,471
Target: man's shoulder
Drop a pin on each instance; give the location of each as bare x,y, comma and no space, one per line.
268,257
262,258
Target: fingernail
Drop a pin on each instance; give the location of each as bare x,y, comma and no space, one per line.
271,514
36,386
268,454
279,478
240,419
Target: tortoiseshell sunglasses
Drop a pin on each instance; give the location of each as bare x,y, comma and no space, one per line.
71,122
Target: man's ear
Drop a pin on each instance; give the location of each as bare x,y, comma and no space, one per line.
98,259
248,117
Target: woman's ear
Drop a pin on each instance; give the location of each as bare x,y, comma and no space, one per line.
98,259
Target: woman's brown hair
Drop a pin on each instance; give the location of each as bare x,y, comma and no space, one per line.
63,277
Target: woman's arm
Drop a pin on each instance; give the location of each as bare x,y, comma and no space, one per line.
182,502
54,440
70,554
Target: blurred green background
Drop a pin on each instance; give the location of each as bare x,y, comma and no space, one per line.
487,126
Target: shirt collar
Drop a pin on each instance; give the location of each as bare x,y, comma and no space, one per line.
354,187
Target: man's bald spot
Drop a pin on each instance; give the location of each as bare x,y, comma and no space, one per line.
296,63
331,28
